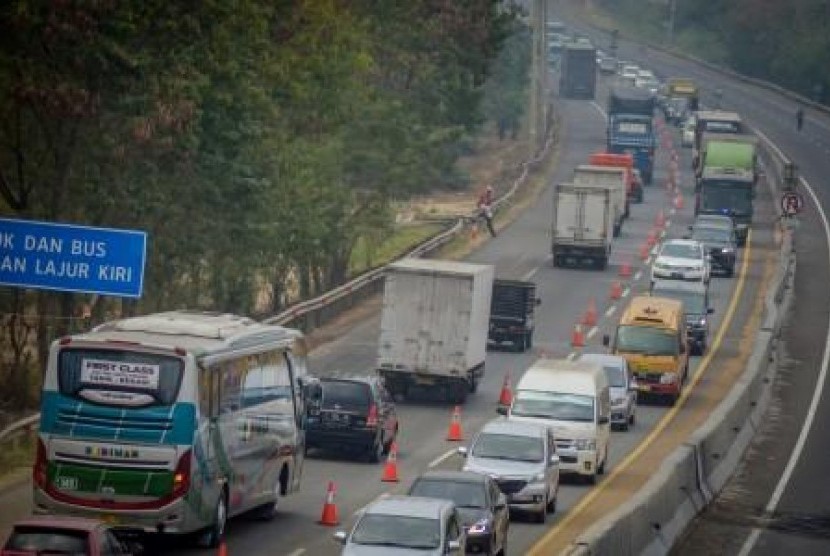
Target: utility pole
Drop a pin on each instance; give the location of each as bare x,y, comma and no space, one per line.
670,26
538,76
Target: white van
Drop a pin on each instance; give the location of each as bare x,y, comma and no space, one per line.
571,397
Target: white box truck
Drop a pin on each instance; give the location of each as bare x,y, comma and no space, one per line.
610,177
583,222
434,325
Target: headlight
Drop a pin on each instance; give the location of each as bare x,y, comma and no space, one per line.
480,527
585,444
668,378
727,250
702,322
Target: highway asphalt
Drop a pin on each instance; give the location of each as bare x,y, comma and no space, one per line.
796,521
520,251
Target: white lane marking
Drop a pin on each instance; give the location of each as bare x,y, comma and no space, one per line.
380,496
668,222
599,109
442,458
528,275
662,234
611,310
297,552
638,275
817,392
571,356
592,332
626,291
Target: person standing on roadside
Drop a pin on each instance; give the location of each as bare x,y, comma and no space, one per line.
799,118
485,208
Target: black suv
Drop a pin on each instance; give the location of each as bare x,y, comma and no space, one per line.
720,243
354,412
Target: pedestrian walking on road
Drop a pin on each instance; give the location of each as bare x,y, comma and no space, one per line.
485,208
799,118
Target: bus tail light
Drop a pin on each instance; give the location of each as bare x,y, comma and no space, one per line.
181,476
39,468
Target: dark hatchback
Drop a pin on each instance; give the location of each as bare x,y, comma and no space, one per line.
481,505
354,412
720,244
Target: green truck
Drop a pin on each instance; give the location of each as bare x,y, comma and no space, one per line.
726,184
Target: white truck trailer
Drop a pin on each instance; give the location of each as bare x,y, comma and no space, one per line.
606,177
583,222
434,326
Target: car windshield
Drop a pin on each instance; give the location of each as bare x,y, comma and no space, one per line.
397,530
646,340
507,446
711,234
680,250
615,375
553,405
37,540
465,494
693,302
345,394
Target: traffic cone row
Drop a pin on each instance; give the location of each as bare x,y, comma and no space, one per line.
660,220
590,318
678,201
645,250
223,549
651,238
625,268
329,516
454,433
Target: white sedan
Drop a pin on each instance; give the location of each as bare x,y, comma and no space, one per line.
681,259
687,138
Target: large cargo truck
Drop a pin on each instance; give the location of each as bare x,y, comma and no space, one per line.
630,127
614,178
434,326
578,71
583,224
512,311
727,191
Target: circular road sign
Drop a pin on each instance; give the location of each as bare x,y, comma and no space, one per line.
791,203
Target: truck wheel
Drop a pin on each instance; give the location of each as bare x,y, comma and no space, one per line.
602,263
472,384
617,230
457,392
528,340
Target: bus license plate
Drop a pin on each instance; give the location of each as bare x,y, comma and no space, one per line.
67,483
645,388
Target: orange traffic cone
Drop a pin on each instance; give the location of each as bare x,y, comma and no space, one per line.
590,318
644,251
329,515
651,238
660,220
678,201
223,549
390,471
454,433
625,269
506,395
578,337
616,290
474,232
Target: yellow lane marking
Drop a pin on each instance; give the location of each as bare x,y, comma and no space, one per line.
539,546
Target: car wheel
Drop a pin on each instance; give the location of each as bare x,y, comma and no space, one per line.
601,466
625,426
631,419
375,452
529,340
551,507
503,548
591,479
213,535
268,511
542,515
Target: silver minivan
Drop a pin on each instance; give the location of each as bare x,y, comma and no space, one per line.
522,459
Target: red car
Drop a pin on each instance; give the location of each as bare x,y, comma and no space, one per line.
63,535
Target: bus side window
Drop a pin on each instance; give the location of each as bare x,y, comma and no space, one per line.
209,392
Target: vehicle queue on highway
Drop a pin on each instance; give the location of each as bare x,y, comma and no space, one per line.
110,404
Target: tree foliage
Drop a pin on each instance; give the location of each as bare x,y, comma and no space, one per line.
254,140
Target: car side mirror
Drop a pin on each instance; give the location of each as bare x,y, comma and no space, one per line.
340,536
606,340
602,420
501,410
538,301
454,546
462,451
554,459
633,386
501,501
710,310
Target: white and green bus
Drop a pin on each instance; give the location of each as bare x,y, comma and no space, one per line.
172,422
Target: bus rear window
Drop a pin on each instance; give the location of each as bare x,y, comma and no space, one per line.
118,377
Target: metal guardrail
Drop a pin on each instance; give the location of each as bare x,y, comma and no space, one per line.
313,312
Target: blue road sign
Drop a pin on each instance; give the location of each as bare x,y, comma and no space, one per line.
46,255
